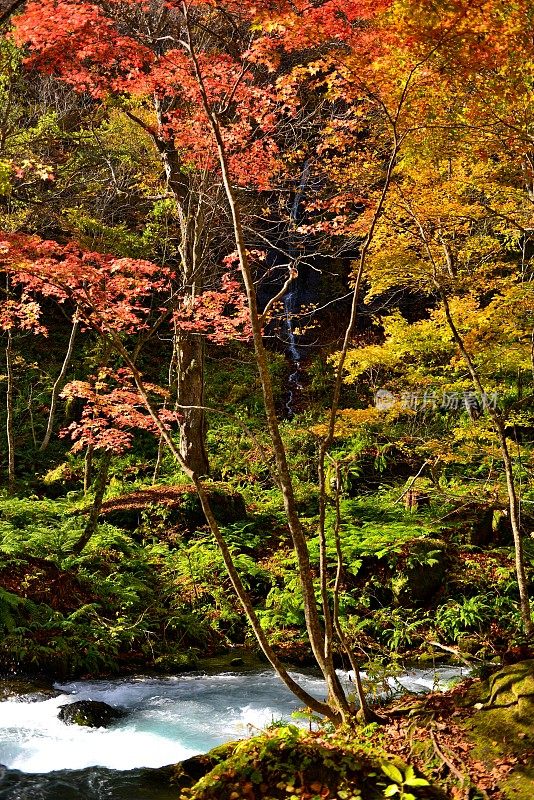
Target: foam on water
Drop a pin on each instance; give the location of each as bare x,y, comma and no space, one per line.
169,719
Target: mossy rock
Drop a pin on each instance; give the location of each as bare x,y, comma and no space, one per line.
28,689
502,725
288,762
420,573
188,772
178,661
90,714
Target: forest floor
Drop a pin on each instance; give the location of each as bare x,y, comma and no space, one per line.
458,737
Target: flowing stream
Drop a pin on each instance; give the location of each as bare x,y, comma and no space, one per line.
168,720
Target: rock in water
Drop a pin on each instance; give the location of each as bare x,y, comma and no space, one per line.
90,713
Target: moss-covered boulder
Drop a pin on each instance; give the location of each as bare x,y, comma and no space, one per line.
502,727
27,689
90,714
290,764
420,572
188,772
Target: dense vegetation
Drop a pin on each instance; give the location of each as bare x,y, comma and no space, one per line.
267,321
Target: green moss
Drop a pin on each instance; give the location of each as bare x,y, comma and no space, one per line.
290,763
501,727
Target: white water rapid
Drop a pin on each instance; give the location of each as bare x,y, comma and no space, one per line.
169,719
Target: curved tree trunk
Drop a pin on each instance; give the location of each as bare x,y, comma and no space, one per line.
513,500
100,488
336,696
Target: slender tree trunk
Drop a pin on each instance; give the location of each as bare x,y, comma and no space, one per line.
515,521
336,695
100,488
159,458
58,385
32,421
315,705
88,468
9,415
513,500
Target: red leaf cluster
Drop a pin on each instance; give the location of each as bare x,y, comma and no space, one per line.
113,411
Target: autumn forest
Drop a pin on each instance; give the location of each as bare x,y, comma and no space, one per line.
266,397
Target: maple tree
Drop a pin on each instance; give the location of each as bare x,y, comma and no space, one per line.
129,54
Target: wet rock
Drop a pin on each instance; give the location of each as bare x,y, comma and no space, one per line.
26,689
237,662
90,714
188,772
93,783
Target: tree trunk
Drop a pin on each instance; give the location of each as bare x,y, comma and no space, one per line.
515,517
88,468
58,385
513,500
9,415
316,705
159,459
100,488
336,696
190,392
189,349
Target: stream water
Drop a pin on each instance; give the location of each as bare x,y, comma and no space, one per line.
169,719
